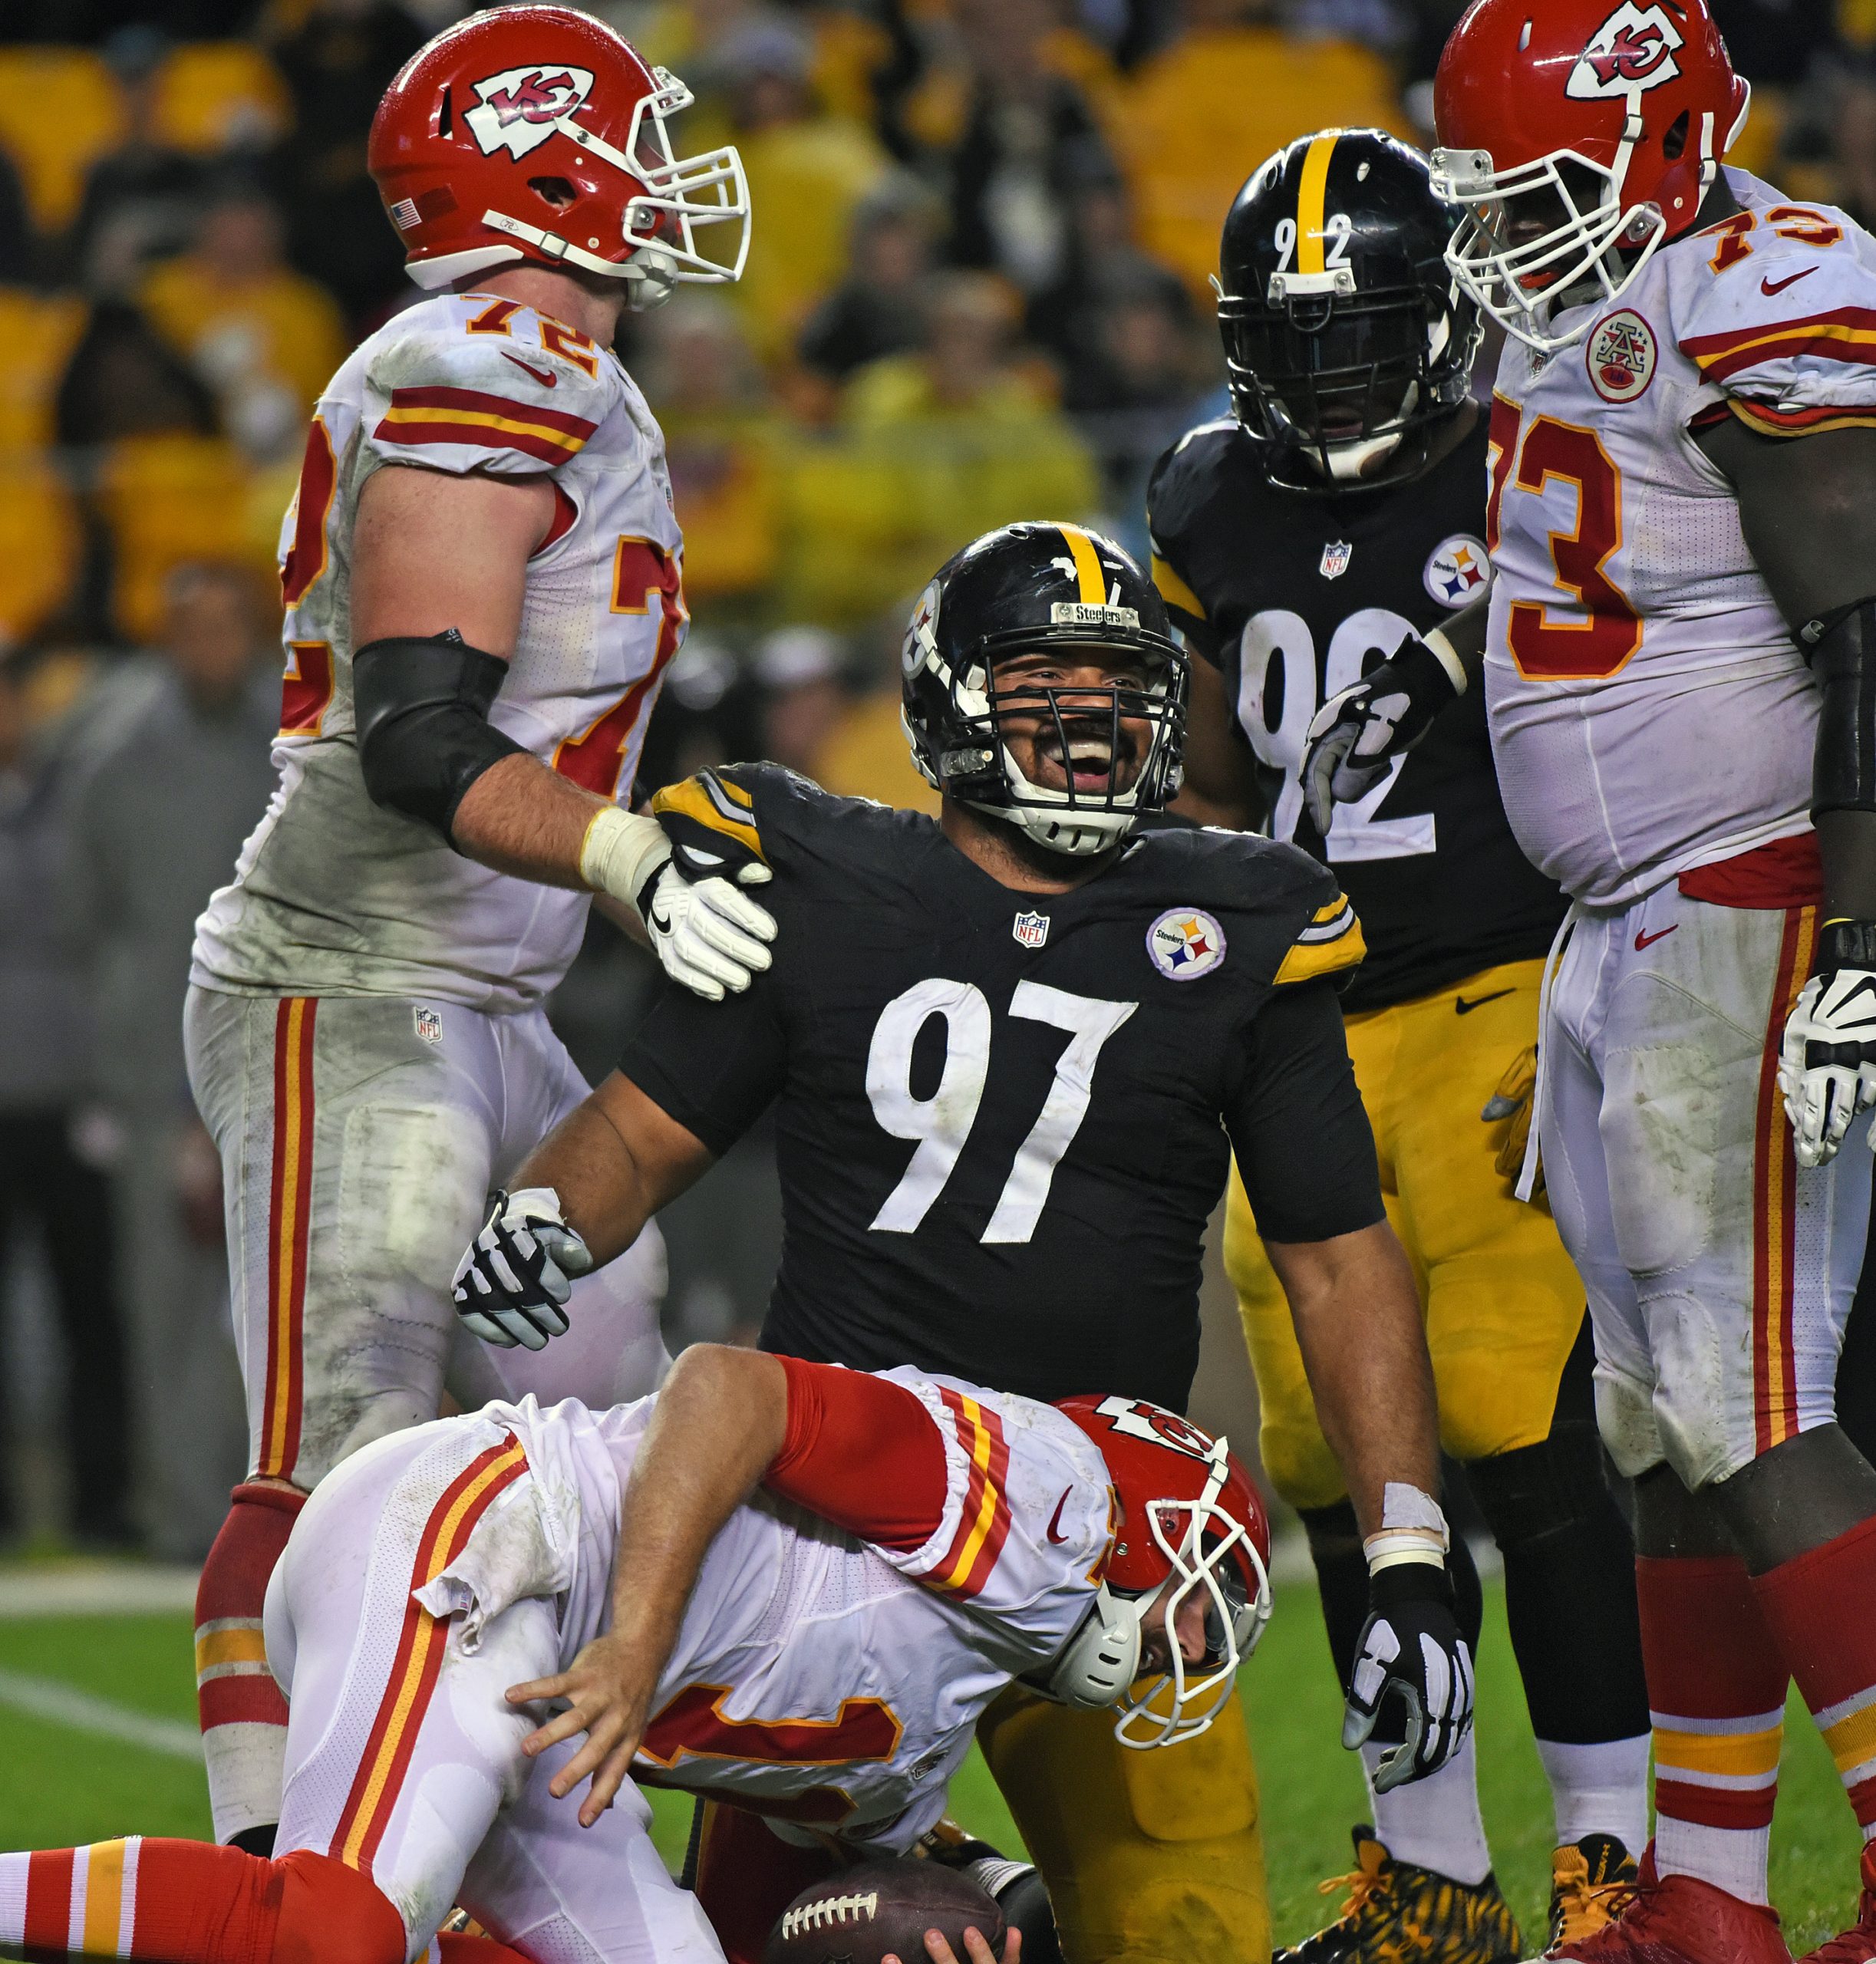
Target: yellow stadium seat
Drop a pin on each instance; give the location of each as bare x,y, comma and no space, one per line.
167,499
220,95
38,334
38,544
60,111
287,324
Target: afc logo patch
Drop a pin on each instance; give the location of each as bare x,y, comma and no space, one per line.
1335,558
1459,567
428,1022
1186,943
1633,50
1031,930
1620,356
517,110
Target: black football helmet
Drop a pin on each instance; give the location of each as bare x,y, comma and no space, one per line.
1345,333
1050,588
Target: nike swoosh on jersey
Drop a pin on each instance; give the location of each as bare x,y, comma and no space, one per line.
1769,286
548,380
1055,1519
1648,940
1477,1002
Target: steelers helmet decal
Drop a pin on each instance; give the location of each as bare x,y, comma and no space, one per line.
1057,590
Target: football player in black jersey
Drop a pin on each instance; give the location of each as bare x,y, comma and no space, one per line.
1011,1052
1337,512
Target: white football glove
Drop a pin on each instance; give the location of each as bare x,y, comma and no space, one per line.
707,935
516,1274
1411,1652
1354,738
1827,1065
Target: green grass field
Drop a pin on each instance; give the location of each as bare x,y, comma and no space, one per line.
61,1785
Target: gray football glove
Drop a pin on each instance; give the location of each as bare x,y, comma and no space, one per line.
517,1273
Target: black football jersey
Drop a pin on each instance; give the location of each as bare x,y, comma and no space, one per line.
1295,596
1003,1119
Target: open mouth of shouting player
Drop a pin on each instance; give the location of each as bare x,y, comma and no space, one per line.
1077,725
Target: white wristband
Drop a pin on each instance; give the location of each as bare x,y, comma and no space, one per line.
1390,1548
620,851
1443,652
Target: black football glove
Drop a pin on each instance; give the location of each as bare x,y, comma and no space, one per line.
1354,738
1411,1651
516,1274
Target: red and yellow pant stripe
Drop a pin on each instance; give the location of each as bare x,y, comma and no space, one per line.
419,1660
289,1205
1775,1204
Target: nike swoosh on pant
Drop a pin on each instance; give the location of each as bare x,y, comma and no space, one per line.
1477,1002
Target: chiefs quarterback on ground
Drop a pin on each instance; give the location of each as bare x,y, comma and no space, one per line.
483,583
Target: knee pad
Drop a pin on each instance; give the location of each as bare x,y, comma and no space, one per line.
331,1914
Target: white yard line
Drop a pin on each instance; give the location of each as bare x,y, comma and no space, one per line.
95,1589
65,1704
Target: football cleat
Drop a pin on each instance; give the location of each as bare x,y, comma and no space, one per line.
1591,1881
1398,1914
1680,1919
1858,1944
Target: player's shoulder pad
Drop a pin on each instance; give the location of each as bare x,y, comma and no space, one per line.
1780,313
1183,487
738,812
465,382
1289,908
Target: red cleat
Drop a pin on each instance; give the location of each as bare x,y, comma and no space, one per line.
1677,1919
1858,1944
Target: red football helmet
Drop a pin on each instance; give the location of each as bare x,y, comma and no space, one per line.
1577,135
537,133
1186,1509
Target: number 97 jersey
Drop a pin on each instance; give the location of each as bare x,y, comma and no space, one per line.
1650,712
335,895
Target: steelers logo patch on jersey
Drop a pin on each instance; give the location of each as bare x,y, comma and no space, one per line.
1457,569
1186,943
1620,356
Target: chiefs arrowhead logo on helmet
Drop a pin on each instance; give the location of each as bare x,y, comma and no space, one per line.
519,108
1633,49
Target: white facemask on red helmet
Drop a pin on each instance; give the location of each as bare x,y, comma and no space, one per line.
1186,1511
538,133
1577,136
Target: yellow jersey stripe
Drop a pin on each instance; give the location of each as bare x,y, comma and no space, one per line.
1093,582
691,800
1308,960
1312,192
986,1507
481,419
1174,591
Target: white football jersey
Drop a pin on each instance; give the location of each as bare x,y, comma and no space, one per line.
335,895
818,1677
1650,712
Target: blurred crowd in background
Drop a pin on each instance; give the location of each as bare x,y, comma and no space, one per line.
977,291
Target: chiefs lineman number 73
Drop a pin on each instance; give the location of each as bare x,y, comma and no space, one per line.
1678,659
482,576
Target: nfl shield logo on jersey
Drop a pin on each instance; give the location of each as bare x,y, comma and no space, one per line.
1335,558
1621,356
1186,943
1031,930
1456,570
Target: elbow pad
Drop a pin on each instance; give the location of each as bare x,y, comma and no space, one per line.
1841,647
422,706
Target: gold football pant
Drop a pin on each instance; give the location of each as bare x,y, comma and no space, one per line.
1503,1305
1150,1858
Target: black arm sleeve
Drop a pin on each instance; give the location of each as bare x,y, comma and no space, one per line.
714,1067
1297,1124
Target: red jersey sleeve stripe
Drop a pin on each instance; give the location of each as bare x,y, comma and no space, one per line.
474,402
984,1520
1776,422
1848,334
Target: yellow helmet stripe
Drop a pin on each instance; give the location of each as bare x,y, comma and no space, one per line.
1311,193
1093,580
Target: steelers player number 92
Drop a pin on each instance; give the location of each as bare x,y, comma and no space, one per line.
1277,697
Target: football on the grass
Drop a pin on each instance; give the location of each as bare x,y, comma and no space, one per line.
883,1909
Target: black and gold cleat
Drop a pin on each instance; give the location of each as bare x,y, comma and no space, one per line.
1591,1881
1396,1913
